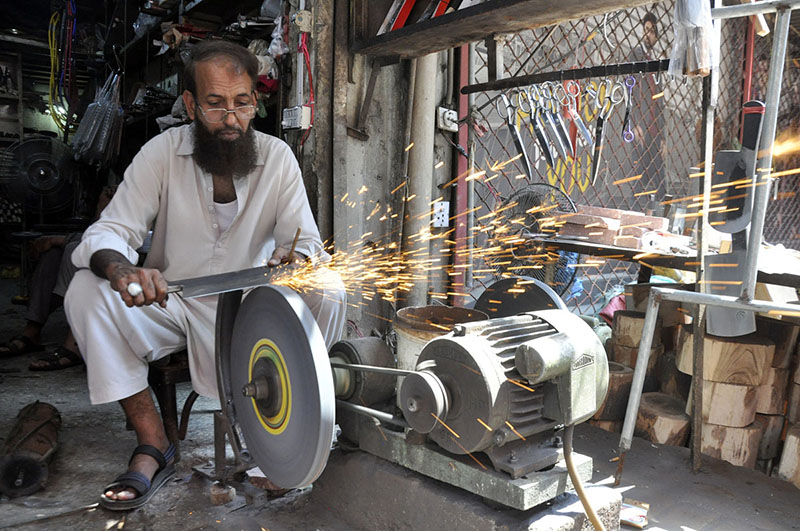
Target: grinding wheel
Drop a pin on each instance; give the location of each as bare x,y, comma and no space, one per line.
516,295
278,357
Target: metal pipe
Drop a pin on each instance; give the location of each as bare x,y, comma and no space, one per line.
763,168
727,301
368,411
756,8
470,166
653,303
416,242
370,368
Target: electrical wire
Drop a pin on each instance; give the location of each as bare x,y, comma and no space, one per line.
303,48
62,89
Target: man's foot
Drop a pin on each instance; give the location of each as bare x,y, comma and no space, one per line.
60,358
17,345
148,470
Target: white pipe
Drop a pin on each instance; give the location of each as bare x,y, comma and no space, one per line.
416,229
756,8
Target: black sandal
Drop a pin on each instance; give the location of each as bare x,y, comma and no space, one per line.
60,358
137,481
10,349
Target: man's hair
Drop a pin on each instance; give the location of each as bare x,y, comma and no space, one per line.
651,18
240,57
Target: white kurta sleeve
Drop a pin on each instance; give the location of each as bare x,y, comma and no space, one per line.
124,223
294,212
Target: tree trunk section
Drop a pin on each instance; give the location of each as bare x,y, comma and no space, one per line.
785,337
771,395
662,420
671,381
789,467
793,411
771,429
614,426
613,407
738,446
627,328
741,360
728,404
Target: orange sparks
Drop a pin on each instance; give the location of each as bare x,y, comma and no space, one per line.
482,423
518,434
440,421
408,147
657,96
515,382
627,179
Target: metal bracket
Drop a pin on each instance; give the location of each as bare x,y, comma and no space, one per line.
359,131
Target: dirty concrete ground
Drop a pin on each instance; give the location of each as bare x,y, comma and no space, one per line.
94,447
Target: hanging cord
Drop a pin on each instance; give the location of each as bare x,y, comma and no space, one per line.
62,75
576,480
303,48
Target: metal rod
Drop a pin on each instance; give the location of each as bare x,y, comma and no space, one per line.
370,368
368,411
639,67
756,8
763,168
727,301
653,303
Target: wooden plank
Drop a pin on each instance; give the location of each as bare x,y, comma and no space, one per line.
739,360
785,336
771,395
771,428
789,468
478,22
793,410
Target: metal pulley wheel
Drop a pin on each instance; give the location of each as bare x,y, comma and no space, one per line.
278,378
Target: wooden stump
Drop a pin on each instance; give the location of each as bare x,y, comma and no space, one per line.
793,411
771,395
741,360
628,355
613,407
789,467
614,426
662,420
771,429
627,328
785,337
671,381
728,404
738,446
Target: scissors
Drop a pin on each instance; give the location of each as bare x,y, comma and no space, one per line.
509,113
534,115
627,132
614,94
568,97
552,108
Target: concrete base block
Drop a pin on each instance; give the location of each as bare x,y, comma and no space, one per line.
369,493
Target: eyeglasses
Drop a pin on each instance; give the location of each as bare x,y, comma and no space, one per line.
245,112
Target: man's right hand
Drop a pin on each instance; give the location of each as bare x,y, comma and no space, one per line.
120,273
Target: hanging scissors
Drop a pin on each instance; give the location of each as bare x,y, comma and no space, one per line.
568,97
614,94
553,108
534,115
509,113
627,132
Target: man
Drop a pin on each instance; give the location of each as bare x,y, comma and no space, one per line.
219,197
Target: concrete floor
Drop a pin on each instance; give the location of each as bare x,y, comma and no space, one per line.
94,447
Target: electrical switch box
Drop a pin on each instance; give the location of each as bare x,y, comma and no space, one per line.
298,117
441,214
447,119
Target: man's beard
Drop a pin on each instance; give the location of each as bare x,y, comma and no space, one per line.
224,158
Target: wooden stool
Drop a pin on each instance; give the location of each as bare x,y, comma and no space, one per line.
162,377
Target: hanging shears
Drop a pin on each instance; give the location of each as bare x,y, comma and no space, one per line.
528,98
509,113
568,97
614,94
627,132
553,111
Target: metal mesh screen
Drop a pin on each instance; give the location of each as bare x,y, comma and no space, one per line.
637,175
782,224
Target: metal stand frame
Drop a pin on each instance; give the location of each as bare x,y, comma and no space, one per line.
763,180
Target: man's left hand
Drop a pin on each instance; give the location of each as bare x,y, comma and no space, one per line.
281,256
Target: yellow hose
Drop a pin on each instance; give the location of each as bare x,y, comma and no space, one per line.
576,481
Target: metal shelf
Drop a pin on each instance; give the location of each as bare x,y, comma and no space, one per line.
481,21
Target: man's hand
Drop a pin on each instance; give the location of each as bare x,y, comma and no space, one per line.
120,273
281,256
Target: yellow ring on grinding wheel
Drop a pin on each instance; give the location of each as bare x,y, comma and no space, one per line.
267,349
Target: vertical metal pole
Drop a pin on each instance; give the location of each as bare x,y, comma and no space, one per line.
747,91
470,167
648,329
764,165
459,279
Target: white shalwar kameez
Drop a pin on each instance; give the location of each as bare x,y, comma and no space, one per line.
164,189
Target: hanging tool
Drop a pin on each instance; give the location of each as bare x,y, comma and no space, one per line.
568,97
627,132
554,106
509,113
534,115
538,97
614,94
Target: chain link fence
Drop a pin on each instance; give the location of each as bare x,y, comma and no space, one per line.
639,175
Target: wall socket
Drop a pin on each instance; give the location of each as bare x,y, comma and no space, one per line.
447,119
441,214
298,117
